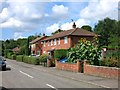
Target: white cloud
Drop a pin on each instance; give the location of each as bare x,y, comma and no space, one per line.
52,28
100,9
60,10
79,23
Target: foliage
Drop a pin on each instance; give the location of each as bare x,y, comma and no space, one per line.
13,57
59,30
85,50
60,54
87,27
9,55
19,58
108,29
31,60
44,57
110,62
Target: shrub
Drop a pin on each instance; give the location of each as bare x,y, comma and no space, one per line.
9,55
19,58
60,54
85,50
110,62
13,57
43,58
31,60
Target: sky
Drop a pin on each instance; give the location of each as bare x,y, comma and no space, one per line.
20,19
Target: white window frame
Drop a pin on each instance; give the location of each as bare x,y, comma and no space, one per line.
55,42
58,41
51,42
48,43
44,43
65,40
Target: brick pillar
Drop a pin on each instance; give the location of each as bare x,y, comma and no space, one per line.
85,67
56,63
79,66
48,63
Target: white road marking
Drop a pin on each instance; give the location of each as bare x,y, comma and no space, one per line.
10,66
50,86
26,74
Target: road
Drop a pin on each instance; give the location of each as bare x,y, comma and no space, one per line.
21,75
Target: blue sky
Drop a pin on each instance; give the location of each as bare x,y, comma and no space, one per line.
21,19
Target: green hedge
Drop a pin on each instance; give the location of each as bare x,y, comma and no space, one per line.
31,60
19,58
60,54
110,62
9,55
43,58
13,57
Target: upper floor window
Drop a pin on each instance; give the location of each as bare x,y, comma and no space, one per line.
54,41
48,43
51,42
44,43
65,40
58,41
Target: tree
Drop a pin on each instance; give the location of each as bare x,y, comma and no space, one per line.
57,31
87,27
108,29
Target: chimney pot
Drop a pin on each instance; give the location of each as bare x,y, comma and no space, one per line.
74,25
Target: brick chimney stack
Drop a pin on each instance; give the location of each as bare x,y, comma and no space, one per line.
74,25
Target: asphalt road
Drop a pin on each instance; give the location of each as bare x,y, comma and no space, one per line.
18,75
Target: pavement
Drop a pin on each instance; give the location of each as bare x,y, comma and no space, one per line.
41,77
99,81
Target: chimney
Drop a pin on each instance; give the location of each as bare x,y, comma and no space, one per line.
74,25
43,34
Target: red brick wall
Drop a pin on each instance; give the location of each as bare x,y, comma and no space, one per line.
60,46
109,72
69,67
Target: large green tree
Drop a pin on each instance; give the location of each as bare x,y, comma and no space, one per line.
87,27
108,29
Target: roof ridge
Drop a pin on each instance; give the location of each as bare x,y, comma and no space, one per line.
73,31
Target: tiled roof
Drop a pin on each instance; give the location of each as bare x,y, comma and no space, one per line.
37,39
76,31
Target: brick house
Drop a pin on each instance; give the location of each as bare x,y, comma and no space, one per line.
36,45
65,40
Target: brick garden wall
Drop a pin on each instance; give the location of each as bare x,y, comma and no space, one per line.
109,72
76,67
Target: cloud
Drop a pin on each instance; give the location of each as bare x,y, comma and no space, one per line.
79,23
66,26
52,28
60,10
100,9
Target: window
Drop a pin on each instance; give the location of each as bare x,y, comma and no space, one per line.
59,41
54,41
44,43
51,42
48,43
65,40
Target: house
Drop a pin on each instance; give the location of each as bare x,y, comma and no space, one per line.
16,50
36,45
65,40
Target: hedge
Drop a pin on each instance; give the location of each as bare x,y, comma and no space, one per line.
13,57
43,58
19,58
60,54
31,60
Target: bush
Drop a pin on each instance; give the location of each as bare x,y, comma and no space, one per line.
9,55
13,57
31,60
110,62
19,58
43,58
60,54
85,50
